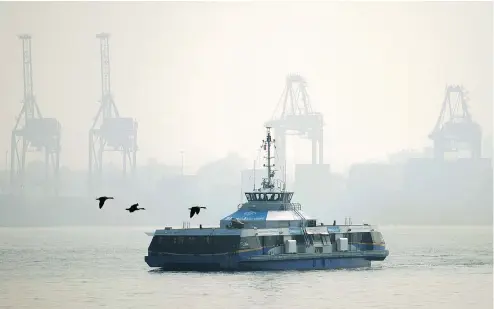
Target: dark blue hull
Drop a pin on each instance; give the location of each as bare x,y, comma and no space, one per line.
306,264
262,262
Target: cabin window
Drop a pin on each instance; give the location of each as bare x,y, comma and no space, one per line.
353,238
366,238
311,223
316,238
250,242
271,197
243,244
325,239
194,244
332,238
299,239
295,223
377,237
272,241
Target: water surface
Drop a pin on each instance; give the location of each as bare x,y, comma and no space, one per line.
85,267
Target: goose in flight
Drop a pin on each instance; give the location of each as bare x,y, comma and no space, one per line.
195,210
103,199
134,208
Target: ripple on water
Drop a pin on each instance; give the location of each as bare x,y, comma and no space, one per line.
86,268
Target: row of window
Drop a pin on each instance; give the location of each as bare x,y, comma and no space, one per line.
270,197
195,244
230,244
367,238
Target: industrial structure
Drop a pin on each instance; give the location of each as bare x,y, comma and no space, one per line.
297,118
455,130
109,131
294,116
32,132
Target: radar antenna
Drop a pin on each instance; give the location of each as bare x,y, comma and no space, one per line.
267,183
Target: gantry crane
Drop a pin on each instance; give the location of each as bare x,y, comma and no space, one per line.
33,132
455,130
109,131
297,118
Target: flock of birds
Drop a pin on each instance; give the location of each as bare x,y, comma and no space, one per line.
102,199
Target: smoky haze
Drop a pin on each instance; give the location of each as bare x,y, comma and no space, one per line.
203,78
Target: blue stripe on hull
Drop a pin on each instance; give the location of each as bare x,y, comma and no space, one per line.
239,262
306,264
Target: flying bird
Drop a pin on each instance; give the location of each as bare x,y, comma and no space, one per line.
195,210
134,208
102,200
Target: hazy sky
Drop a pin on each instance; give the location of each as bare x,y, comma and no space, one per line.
204,77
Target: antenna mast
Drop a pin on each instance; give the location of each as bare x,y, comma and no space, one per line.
267,183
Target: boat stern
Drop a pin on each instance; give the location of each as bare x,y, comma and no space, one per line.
194,249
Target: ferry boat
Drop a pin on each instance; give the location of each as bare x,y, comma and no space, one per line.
268,232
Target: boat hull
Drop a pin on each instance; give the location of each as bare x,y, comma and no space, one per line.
306,264
264,262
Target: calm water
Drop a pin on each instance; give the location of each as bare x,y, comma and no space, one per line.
104,267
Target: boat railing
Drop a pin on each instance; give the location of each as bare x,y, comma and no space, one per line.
307,238
292,206
285,206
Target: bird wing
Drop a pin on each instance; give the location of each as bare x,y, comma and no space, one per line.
101,202
192,211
